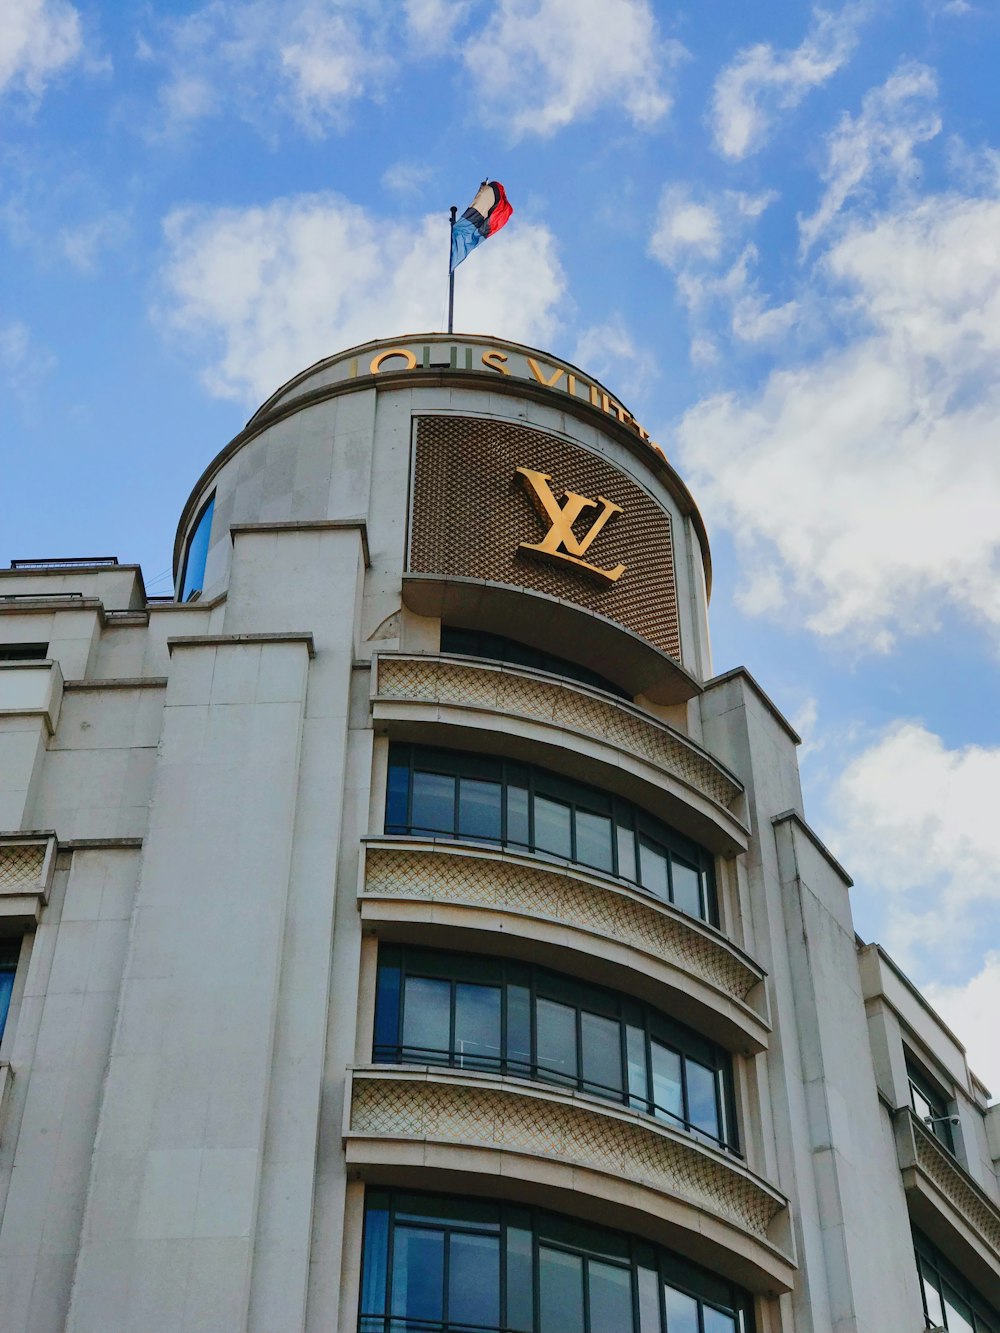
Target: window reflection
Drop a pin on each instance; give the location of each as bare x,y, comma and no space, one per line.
433,1263
193,576
473,1012
447,793
950,1300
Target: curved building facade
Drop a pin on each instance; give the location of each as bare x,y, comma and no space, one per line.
406,930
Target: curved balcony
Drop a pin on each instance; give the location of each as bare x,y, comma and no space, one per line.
562,915
446,1129
524,713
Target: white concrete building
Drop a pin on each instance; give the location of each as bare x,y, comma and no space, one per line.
405,929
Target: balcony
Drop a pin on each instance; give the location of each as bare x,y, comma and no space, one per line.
948,1205
587,734
567,916
27,862
455,1129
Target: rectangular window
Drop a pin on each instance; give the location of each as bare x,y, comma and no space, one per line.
556,1039
433,803
479,809
560,1283
426,1020
593,840
23,652
477,1026
552,827
600,1039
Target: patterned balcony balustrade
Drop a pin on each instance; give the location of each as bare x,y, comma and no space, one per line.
566,915
412,1122
702,796
947,1204
27,862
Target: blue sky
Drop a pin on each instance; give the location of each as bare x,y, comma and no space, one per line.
773,229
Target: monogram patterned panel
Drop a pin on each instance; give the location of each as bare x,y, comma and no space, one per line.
510,886
633,1150
976,1209
430,679
471,512
21,866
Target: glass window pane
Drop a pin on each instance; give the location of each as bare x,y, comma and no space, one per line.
667,1091
593,840
376,1255
610,1298
560,1291
473,1280
626,852
397,798
426,1020
517,816
635,1046
519,1030
958,1315
682,1311
653,869
477,1026
418,1273
520,1280
556,1037
602,1054
649,1295
479,809
717,1321
387,1012
702,1101
433,803
479,1214
197,554
552,827
6,990
687,888
932,1297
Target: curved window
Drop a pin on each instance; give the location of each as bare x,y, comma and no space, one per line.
9,953
193,577
478,643
473,1012
445,793
949,1300
439,1264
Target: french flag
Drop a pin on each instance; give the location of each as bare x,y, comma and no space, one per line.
484,217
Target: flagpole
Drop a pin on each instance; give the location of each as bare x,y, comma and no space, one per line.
451,271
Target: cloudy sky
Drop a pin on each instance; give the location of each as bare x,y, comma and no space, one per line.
774,230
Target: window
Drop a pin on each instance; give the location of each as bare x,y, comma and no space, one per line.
930,1105
467,1011
10,950
478,643
23,652
193,574
446,793
436,1264
949,1300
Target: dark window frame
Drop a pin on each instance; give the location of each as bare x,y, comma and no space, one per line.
628,822
206,511
398,962
554,1232
921,1085
23,652
934,1268
512,652
10,954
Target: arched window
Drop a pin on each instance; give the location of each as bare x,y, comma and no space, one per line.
447,793
468,1011
440,1264
193,574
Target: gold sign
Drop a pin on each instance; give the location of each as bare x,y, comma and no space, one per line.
561,542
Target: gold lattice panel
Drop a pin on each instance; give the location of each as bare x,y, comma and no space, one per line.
470,515
21,866
509,886
978,1213
626,1149
508,691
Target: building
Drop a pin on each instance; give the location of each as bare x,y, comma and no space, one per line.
404,929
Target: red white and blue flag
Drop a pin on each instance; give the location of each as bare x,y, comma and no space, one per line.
484,217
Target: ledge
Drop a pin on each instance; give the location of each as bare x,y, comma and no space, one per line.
793,817
308,525
528,1139
119,683
540,620
588,734
27,862
32,689
948,1205
568,917
240,641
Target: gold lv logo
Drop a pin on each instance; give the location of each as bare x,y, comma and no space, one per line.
561,542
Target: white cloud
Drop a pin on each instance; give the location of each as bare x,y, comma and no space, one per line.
431,24
970,1010
267,291
684,228
541,64
307,59
869,474
38,40
761,82
894,119
611,353
406,177
24,363
83,243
